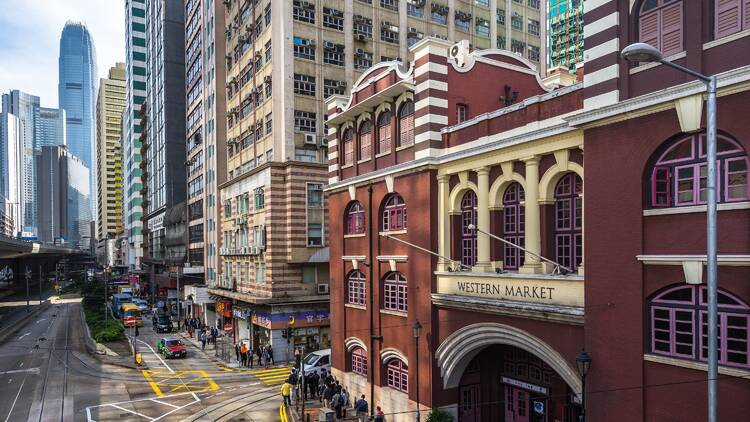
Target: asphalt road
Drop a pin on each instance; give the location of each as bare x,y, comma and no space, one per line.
46,375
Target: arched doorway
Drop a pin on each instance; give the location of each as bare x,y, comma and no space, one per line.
501,373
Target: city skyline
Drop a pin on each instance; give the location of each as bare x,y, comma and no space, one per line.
35,69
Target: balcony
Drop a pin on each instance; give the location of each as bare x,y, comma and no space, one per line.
543,297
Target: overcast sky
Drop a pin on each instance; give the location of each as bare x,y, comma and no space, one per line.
30,40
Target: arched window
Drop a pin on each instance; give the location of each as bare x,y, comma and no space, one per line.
406,124
468,236
397,374
394,292
355,218
731,16
359,361
678,177
365,140
347,146
660,24
513,226
355,288
678,325
394,213
568,219
384,132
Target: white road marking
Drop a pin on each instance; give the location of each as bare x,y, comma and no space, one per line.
157,355
116,405
24,335
10,380
14,401
41,320
20,371
20,365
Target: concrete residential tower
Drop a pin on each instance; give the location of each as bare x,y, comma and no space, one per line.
77,93
109,109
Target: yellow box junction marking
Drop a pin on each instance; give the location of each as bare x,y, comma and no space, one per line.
164,382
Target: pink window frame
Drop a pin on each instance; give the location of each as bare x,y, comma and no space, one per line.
468,237
365,140
348,148
397,375
394,213
723,338
359,361
655,192
406,125
355,219
395,292
567,230
355,288
513,226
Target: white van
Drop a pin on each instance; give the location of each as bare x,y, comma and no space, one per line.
317,362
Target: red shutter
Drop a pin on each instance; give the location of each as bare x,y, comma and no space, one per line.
728,17
648,28
671,29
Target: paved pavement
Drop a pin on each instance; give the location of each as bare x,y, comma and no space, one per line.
46,375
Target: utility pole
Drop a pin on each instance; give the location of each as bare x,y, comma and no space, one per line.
40,284
27,276
106,288
178,300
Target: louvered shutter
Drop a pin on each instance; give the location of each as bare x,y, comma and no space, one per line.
728,17
746,15
648,28
671,29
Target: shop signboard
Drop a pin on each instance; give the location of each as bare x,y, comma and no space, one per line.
312,318
551,290
525,385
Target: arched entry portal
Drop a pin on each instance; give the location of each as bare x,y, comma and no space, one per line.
502,373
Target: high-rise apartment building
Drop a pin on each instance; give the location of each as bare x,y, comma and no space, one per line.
110,105
565,33
135,81
11,137
77,94
64,197
205,131
164,147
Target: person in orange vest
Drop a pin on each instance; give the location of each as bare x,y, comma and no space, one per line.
243,354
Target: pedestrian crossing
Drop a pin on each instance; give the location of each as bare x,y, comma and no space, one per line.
270,376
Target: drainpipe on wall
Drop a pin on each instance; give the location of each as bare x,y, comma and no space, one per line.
371,299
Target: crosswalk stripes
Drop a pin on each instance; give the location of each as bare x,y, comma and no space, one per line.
272,376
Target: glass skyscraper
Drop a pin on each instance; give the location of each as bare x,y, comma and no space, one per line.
77,93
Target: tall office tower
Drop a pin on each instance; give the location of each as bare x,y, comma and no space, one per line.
164,147
205,132
565,34
77,94
11,137
26,108
135,81
50,127
110,105
63,205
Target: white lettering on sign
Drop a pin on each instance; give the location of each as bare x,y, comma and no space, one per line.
525,385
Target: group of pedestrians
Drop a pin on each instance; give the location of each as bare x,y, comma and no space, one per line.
193,325
245,355
208,336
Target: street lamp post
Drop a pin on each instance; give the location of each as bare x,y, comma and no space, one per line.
583,361
641,52
417,331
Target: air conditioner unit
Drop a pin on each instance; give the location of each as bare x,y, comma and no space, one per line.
360,51
413,30
361,37
328,45
323,289
310,139
341,84
254,91
267,79
323,141
311,43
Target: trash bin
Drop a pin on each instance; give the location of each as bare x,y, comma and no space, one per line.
326,415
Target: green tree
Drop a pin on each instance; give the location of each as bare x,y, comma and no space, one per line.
439,415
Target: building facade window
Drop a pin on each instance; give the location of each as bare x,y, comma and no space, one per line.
678,177
314,234
660,24
355,286
303,11
679,326
468,236
394,213
384,132
397,375
304,48
314,195
304,121
513,226
731,16
259,199
355,218
462,113
395,292
304,84
568,221
406,124
333,19
365,140
359,361
348,148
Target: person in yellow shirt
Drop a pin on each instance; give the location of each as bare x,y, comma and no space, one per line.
286,391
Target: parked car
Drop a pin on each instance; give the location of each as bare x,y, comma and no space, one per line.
317,361
171,347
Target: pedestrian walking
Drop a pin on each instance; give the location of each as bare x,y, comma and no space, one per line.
361,409
270,354
243,355
336,405
285,392
203,340
344,399
379,415
237,351
265,358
